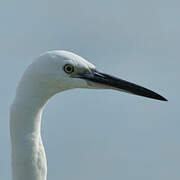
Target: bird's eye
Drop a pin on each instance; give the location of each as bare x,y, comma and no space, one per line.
68,68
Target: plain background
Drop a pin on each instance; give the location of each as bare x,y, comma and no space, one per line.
91,134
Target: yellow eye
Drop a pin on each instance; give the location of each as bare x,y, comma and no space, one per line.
68,68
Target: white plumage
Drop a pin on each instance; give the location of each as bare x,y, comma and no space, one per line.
51,73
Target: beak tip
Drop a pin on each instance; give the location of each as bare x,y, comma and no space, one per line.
164,99
161,98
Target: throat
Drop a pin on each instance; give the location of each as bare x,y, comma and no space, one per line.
25,118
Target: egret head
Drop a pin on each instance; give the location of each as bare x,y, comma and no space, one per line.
55,71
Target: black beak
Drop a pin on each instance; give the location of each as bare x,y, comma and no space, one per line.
111,82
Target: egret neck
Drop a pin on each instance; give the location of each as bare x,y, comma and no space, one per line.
51,73
28,155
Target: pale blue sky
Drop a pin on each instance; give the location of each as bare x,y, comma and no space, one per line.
91,134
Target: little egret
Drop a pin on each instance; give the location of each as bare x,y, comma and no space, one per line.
51,73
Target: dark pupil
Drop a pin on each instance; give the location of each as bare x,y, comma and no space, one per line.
69,68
